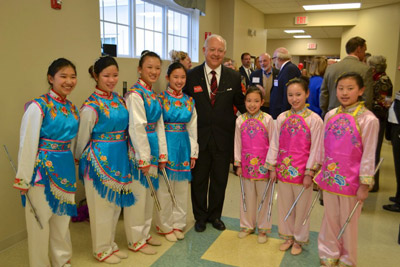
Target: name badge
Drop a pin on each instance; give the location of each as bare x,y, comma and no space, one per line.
229,89
276,82
198,89
256,80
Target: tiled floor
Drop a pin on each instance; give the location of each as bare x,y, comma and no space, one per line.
378,234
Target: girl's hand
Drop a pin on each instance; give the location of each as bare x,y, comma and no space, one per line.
145,170
239,171
192,163
161,165
307,181
362,192
272,176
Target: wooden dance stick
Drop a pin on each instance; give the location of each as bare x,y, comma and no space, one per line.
169,187
33,210
243,196
355,206
270,202
153,192
264,195
294,203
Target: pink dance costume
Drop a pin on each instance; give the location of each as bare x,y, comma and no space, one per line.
252,138
293,155
348,161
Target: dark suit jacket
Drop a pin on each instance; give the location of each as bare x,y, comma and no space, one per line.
244,74
217,121
259,74
279,102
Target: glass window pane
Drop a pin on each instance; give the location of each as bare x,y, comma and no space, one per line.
123,40
158,44
101,9
149,40
184,26
177,23
177,43
158,19
110,11
170,21
123,11
184,45
170,43
149,16
110,33
101,30
139,14
139,42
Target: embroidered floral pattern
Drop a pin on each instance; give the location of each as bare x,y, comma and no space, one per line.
341,126
255,166
286,169
252,127
294,126
332,176
175,127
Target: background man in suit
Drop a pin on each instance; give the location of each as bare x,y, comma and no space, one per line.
287,71
245,70
264,77
215,90
355,48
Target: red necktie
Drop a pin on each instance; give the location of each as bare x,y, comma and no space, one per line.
213,87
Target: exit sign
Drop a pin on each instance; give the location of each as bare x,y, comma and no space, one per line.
301,20
312,46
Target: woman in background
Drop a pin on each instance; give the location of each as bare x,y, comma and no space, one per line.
317,70
181,57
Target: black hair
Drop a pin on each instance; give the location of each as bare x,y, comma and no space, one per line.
254,89
58,64
147,53
174,66
353,43
303,81
351,75
100,64
244,54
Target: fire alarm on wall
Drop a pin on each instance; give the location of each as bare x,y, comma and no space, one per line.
56,4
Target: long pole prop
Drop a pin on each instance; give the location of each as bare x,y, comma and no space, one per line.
243,196
270,202
33,210
264,195
355,206
153,192
294,203
312,206
169,187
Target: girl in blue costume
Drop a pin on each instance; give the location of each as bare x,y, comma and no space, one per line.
180,120
104,164
148,151
46,167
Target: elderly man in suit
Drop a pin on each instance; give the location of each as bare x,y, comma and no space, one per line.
355,49
246,70
265,77
215,89
287,71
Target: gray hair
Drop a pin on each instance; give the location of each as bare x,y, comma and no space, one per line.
219,37
283,54
378,63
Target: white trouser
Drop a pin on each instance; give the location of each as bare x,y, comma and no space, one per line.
170,217
55,233
104,217
137,218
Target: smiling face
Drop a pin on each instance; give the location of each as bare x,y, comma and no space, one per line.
253,102
64,81
348,91
108,78
265,62
297,96
177,79
214,52
150,70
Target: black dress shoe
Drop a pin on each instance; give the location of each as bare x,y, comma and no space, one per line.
218,224
394,199
200,226
392,207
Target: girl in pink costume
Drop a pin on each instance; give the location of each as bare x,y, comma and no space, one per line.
293,160
347,172
253,134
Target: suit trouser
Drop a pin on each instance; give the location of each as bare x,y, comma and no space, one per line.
382,126
395,136
104,217
293,227
55,233
337,209
171,218
254,191
138,217
210,177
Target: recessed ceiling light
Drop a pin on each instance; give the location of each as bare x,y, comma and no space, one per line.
332,6
302,36
294,31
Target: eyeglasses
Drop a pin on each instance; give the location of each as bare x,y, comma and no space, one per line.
274,58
